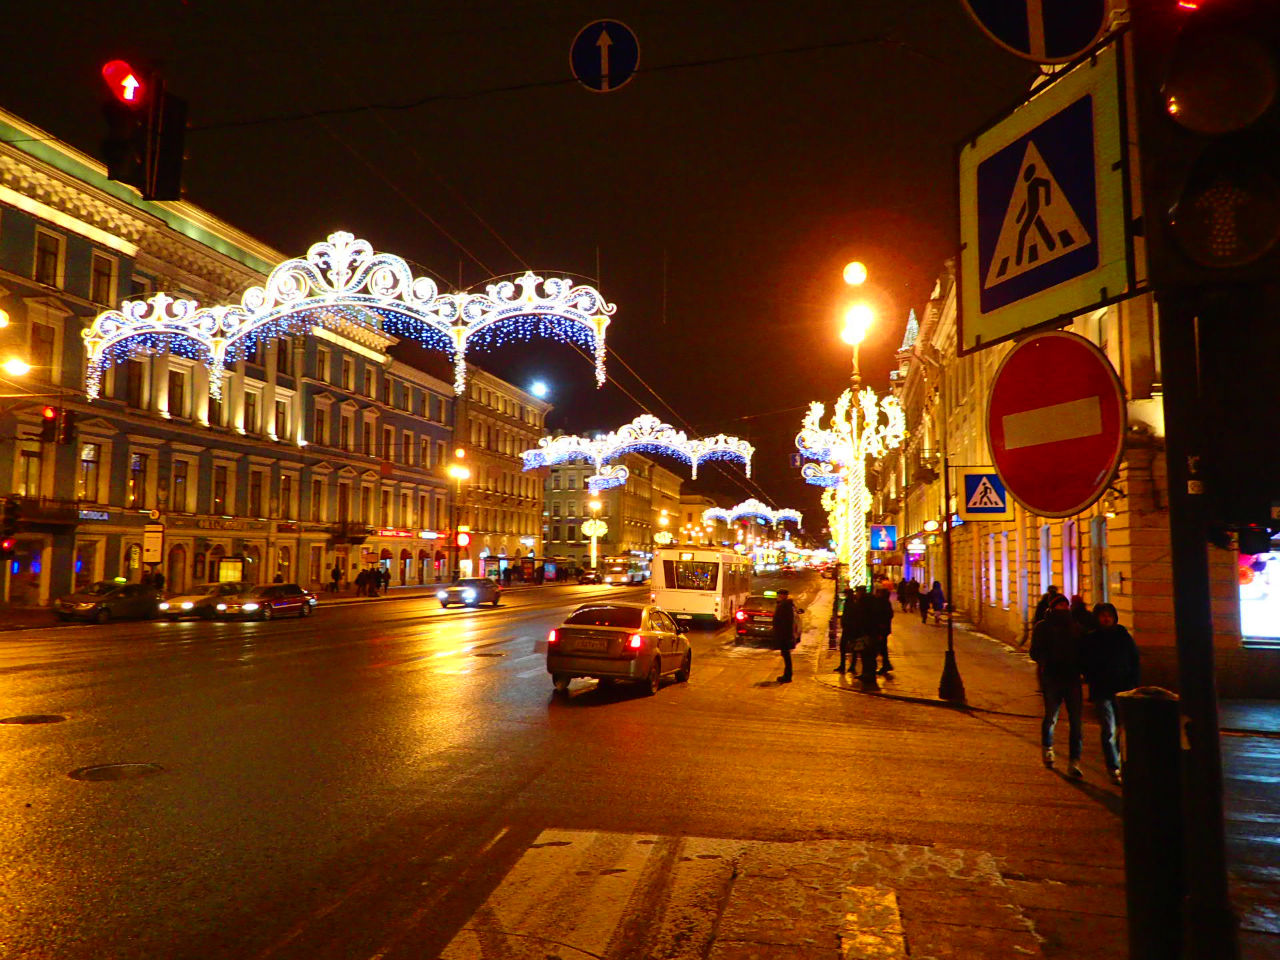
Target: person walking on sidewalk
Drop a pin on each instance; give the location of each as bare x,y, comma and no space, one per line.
852,626
934,600
913,594
1056,650
335,575
786,624
1042,607
1110,659
880,625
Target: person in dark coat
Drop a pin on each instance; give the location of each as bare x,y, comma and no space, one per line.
901,588
1081,613
785,626
913,594
1110,659
934,600
1042,607
362,582
852,626
1056,650
880,625
335,575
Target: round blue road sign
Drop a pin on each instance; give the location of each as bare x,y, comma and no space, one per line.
1046,31
604,55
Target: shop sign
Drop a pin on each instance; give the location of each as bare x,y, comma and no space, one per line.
916,546
391,532
428,535
218,523
287,527
153,543
95,514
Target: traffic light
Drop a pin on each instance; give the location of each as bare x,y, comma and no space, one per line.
67,428
146,132
463,539
1206,82
10,517
49,424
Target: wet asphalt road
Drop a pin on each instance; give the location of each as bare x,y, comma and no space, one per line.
354,784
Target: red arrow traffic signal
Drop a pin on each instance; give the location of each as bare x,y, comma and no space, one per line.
124,83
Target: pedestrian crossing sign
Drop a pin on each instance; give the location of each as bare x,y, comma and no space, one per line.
984,496
1044,233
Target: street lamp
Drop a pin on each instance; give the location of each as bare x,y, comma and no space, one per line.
857,321
855,273
539,389
16,366
458,474
594,505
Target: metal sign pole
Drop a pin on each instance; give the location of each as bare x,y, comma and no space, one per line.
951,686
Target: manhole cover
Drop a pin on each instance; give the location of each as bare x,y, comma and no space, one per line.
489,654
35,718
116,771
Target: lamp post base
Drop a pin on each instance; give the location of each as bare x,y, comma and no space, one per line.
951,687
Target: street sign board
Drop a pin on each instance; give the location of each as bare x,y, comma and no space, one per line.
1046,31
604,55
983,496
153,543
1044,209
1056,422
884,536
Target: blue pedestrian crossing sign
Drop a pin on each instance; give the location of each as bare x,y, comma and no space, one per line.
604,55
983,496
1044,233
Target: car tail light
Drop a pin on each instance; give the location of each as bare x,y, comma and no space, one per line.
635,642
552,638
740,615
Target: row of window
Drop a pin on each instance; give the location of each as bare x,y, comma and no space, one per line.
503,404
995,572
340,370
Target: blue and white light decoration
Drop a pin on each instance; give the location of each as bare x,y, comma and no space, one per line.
839,452
342,282
751,508
645,434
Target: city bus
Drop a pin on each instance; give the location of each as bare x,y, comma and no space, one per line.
624,570
706,584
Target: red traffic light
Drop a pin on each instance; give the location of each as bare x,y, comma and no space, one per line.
6,545
124,82
49,413
464,539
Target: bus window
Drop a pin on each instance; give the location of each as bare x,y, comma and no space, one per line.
691,574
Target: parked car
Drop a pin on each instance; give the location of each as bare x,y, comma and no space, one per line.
109,600
470,592
755,617
634,642
589,575
202,603
266,602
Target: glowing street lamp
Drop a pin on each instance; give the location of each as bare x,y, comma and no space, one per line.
594,505
459,474
16,367
855,273
539,389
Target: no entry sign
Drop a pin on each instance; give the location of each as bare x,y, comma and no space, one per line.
1056,421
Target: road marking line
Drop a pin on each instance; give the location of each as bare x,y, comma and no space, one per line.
494,839
1056,422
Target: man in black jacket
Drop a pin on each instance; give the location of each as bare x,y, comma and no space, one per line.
1055,647
784,631
1110,660
880,625
852,626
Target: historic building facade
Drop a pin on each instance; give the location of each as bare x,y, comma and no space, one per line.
323,451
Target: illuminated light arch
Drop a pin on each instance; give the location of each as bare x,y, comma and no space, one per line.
751,508
342,283
645,434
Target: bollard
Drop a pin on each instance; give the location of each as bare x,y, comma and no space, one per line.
1153,864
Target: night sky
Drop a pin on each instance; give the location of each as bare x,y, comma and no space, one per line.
761,146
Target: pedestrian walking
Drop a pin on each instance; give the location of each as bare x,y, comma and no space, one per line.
853,629
935,600
1056,650
335,575
157,581
1042,606
901,589
879,626
372,581
362,583
1110,660
786,630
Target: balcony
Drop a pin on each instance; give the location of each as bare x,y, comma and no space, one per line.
350,531
48,511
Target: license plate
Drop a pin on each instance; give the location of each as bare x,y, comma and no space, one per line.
588,643
763,619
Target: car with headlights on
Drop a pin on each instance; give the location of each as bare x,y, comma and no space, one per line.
109,600
202,603
628,642
755,617
470,592
266,602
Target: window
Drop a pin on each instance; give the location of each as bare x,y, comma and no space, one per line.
317,499
573,532
137,487
555,508
255,493
424,519
318,432
1046,557
220,504
217,408
87,478
348,373
555,531
404,509
573,481
29,474
344,502
439,452
1070,558
178,393
425,462
322,364
102,279
386,390
555,481
573,509
690,574
139,287
1099,562
282,420
258,355
991,568
436,406
286,497
344,432
388,443
366,504
1004,570
179,487
250,412
284,357
405,454
48,265
42,354
368,382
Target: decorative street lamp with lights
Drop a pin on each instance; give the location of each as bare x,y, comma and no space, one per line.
459,474
592,527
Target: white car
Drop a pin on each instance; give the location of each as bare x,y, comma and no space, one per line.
203,604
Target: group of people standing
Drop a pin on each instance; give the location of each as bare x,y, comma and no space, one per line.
866,620
1072,646
911,598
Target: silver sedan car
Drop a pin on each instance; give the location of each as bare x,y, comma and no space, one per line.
470,592
633,642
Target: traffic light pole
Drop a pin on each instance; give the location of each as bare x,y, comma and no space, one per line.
1209,923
